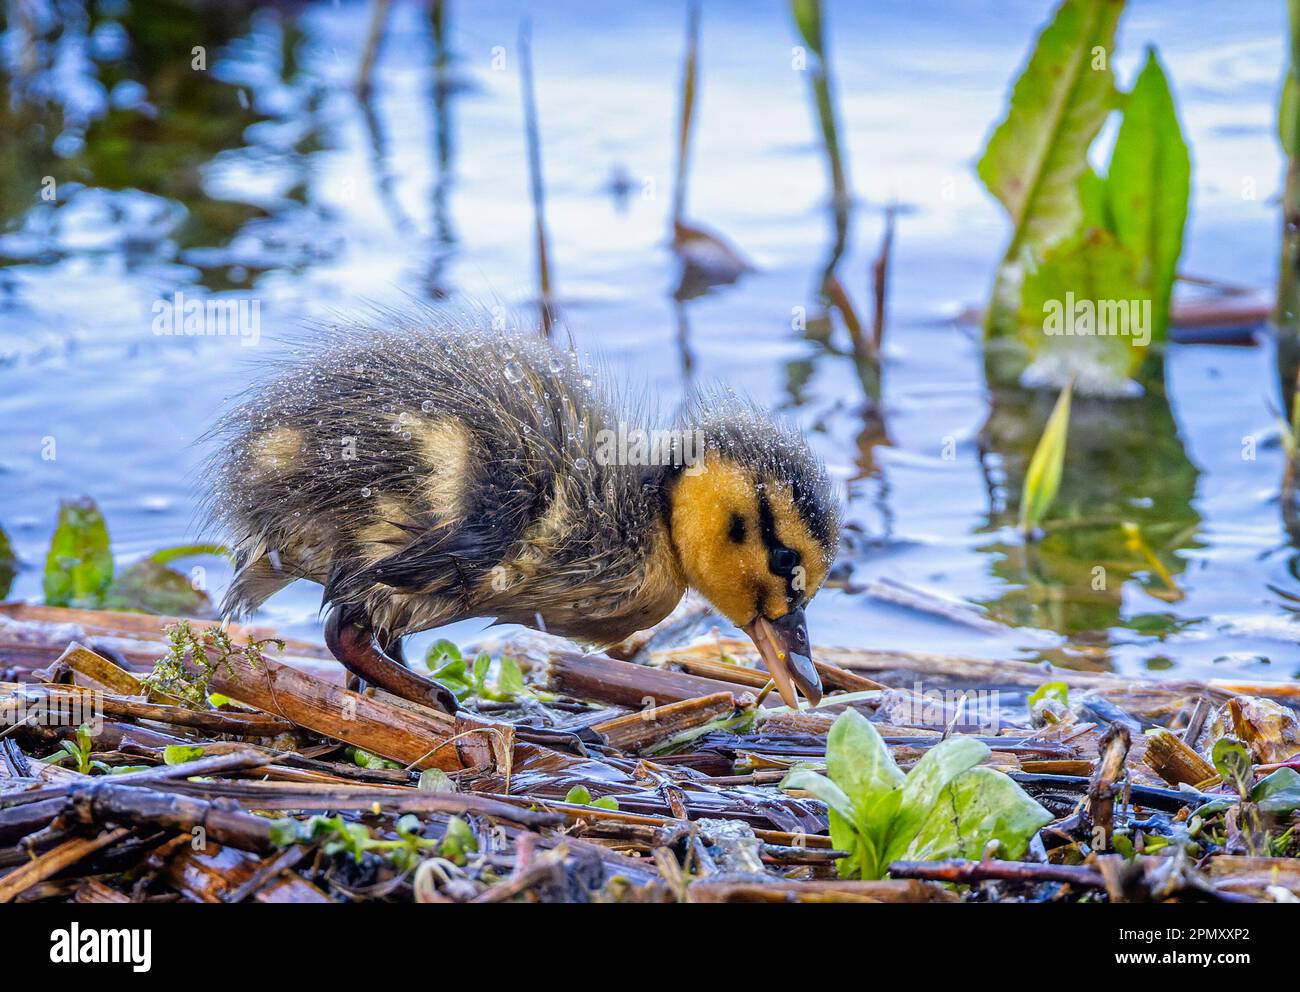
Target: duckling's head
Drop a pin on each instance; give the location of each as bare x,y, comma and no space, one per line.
755,524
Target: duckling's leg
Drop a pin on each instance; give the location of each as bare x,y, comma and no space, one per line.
350,639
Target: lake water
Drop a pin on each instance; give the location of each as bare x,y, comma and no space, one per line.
262,177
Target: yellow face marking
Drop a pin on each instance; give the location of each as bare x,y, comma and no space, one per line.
445,448
276,452
717,533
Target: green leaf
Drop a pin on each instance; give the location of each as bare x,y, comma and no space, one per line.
367,760
605,802
1037,155
435,780
1060,691
1278,793
579,795
510,683
808,19
1149,185
1288,122
458,841
179,754
1078,317
165,556
978,806
79,566
1043,477
927,780
1092,196
8,564
1232,762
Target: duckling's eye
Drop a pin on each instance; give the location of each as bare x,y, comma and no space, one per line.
782,561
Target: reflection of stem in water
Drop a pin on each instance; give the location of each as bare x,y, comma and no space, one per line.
686,111
880,280
444,237
374,38
384,186
684,342
535,174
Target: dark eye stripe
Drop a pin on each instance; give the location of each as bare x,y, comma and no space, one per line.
775,549
736,529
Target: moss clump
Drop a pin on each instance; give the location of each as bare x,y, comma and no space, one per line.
206,653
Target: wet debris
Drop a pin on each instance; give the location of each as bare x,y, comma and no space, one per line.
151,760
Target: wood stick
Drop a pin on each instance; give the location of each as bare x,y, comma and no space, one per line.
637,730
964,872
54,861
412,734
1171,758
1114,745
593,676
212,721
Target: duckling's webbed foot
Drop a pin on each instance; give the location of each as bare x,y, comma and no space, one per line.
350,639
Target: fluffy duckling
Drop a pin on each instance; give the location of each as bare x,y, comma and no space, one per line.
429,471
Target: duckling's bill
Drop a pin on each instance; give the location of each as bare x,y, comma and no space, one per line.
783,645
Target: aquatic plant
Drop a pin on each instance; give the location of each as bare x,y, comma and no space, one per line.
192,659
1043,478
469,679
947,806
1084,286
79,569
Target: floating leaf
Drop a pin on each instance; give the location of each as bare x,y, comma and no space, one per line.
1043,477
150,587
1149,185
179,754
79,566
435,780
1036,157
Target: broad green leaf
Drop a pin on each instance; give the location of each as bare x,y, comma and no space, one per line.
604,802
1278,793
579,795
1092,197
1232,762
79,566
1038,153
978,806
1044,475
1083,315
936,770
859,762
179,754
1149,185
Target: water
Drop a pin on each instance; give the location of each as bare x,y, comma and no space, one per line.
263,177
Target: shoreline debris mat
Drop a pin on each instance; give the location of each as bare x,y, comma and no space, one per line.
144,759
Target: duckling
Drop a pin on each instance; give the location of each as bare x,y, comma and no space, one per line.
429,470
